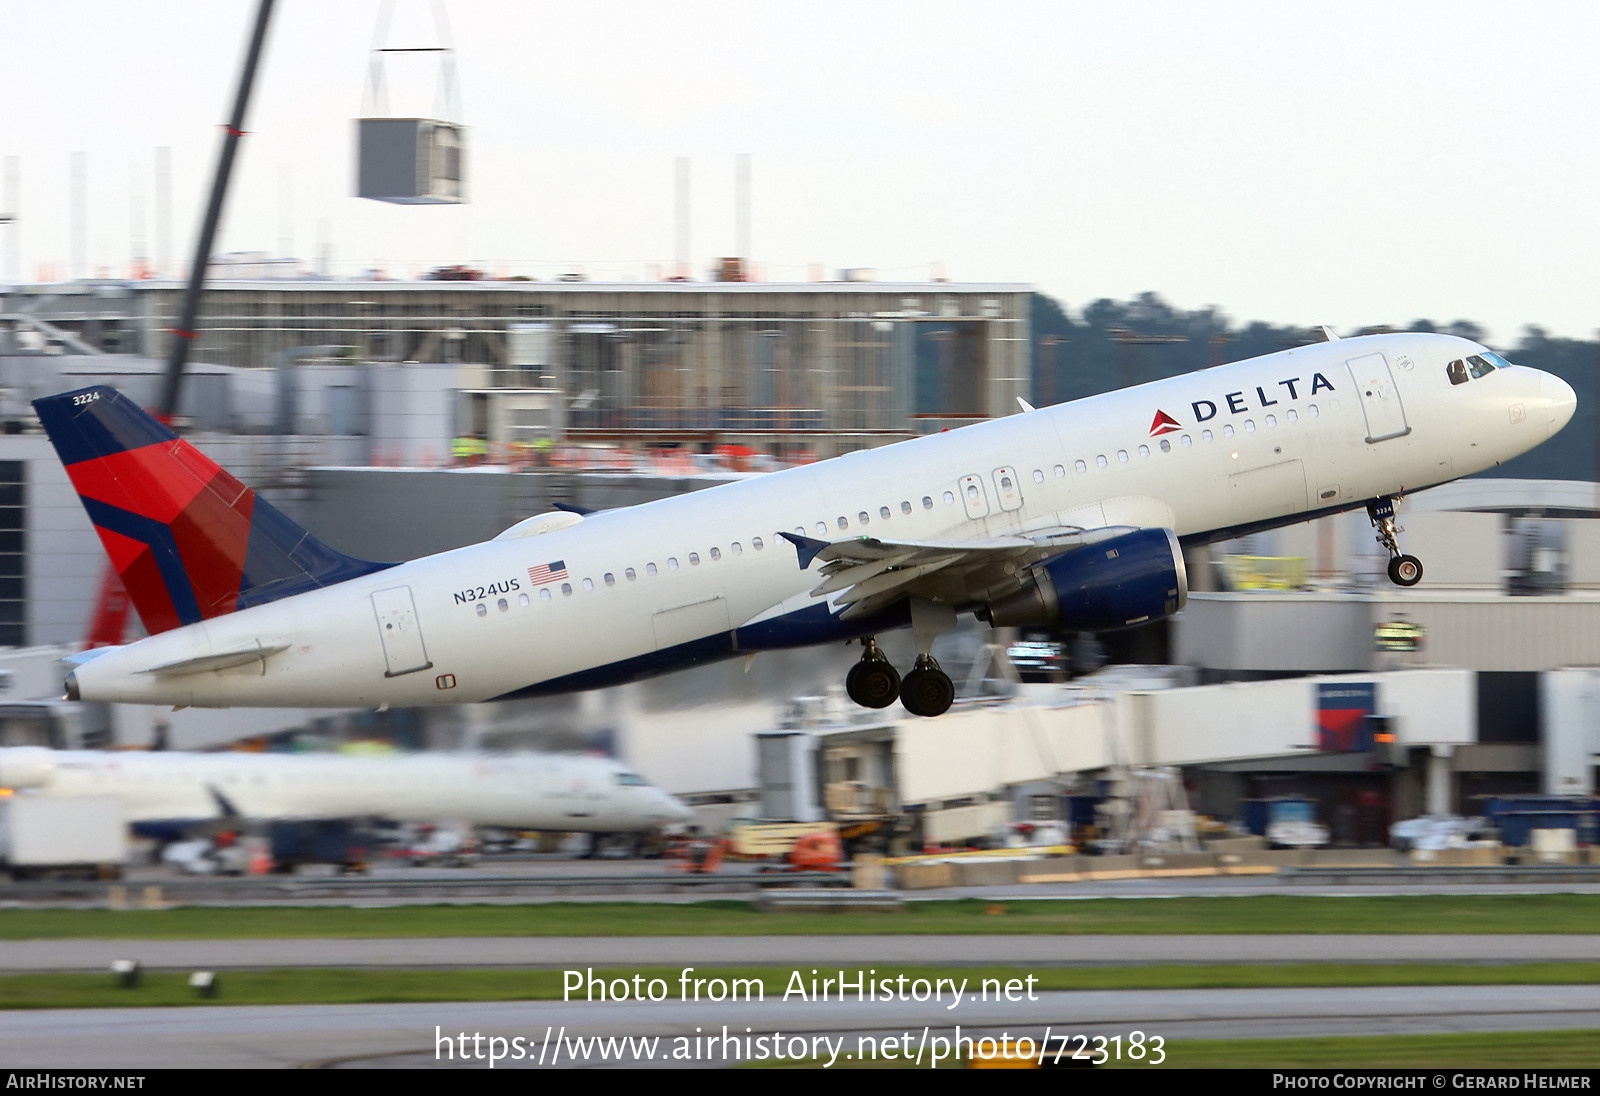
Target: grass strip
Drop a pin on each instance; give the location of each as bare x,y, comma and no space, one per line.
303,986
1255,914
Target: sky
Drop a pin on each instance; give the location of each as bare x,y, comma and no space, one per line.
1346,163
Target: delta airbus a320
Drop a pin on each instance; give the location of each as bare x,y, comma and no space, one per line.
1073,516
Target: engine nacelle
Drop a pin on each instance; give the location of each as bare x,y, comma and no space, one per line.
1118,583
26,767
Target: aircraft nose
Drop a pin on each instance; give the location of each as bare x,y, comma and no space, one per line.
675,809
1559,399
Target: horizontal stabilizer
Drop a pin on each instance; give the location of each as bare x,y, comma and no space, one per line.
223,660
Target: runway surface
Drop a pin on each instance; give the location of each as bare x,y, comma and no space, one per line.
562,952
418,1034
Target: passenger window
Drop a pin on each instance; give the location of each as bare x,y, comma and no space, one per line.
1186,441
1100,461
672,563
1457,372
588,584
864,518
630,574
1292,415
716,554
757,543
1205,435
611,579
1144,450
927,502
737,549
822,528
1249,426
1272,420
1312,410
544,594
1038,475
694,559
949,498
566,589
883,512
502,604
1166,446
649,568
482,609
905,508
844,522
1227,430
1078,466
522,599
1061,471
1122,456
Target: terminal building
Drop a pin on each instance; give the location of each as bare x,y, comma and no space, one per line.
1295,670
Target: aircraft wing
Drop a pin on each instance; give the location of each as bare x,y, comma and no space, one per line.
869,574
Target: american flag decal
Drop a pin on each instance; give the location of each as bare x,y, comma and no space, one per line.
547,572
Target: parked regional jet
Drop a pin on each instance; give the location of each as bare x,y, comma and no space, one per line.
569,793
1073,515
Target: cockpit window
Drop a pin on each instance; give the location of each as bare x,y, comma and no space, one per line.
1457,371
1497,360
629,780
1478,366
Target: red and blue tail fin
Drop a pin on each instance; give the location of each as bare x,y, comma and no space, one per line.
189,540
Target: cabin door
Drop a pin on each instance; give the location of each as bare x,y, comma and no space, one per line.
1380,399
401,634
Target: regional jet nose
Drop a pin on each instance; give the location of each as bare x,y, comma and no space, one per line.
674,809
1559,399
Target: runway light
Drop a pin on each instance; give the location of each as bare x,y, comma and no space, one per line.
204,982
126,972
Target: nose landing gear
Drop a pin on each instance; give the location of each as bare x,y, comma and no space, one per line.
1403,570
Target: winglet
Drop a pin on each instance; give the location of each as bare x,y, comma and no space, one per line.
1328,334
805,547
1024,404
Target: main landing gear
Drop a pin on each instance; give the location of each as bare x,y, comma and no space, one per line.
926,690
872,682
1403,570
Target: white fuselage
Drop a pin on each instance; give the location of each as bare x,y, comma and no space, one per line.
703,575
561,792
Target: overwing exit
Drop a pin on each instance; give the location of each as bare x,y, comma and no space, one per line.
1074,516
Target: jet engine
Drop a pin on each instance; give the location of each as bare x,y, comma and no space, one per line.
26,767
1127,580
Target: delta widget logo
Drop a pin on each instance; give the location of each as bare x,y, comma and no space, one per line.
1163,423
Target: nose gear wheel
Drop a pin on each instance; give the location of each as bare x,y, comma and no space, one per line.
1404,570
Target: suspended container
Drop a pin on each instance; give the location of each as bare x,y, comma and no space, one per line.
411,160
